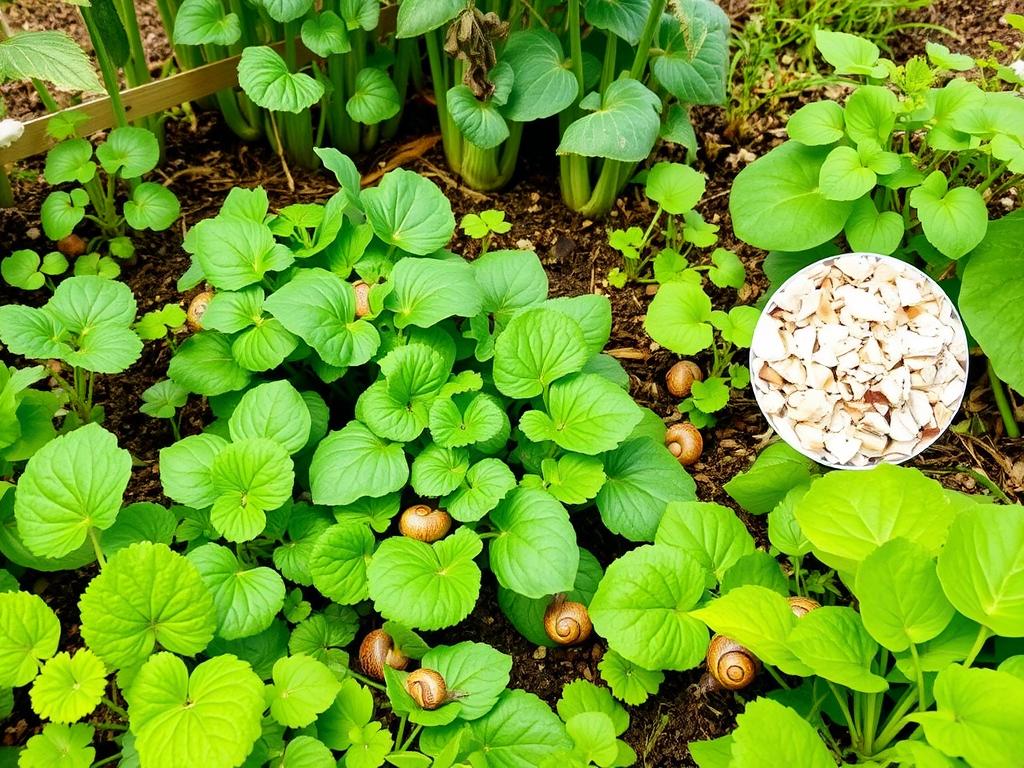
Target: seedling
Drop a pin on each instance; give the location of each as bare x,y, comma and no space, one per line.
484,225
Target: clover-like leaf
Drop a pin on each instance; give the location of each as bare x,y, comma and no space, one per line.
426,586
266,79
250,477
152,206
129,152
954,220
211,717
59,746
69,687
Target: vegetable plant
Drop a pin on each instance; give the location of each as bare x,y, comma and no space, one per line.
675,189
358,77
85,329
484,226
904,167
125,156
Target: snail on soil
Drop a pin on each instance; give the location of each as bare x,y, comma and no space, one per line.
196,309
378,650
424,523
683,441
730,665
567,622
680,378
427,688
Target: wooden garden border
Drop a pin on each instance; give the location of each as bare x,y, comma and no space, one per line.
139,102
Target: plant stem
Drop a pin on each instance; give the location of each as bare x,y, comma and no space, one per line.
107,760
107,68
401,729
776,676
365,680
984,633
412,737
999,171
845,709
643,49
1002,403
97,548
117,710
918,676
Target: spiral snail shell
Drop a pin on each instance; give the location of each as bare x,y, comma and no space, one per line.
427,688
362,290
424,523
567,623
801,606
196,309
683,441
680,377
731,665
378,650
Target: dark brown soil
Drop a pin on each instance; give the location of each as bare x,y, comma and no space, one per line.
204,162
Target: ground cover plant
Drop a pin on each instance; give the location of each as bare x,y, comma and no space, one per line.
357,445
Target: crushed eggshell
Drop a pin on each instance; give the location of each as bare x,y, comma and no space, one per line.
860,359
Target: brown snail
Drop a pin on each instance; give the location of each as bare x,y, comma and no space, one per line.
567,623
362,290
680,378
427,688
72,245
424,523
683,441
196,309
801,606
378,650
730,665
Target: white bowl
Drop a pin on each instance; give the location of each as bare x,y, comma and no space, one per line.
761,388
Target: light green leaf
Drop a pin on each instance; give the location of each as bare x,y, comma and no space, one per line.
409,212
338,562
70,486
630,683
69,687
426,291
622,123
820,122
776,470
487,482
843,176
251,477
146,595
185,469
274,410
769,734
129,152
211,717
537,347
59,746
375,98
62,211
573,479
954,220
246,599
849,54
479,121
29,633
678,318
710,533
265,78
426,586
694,66
417,17
352,463
640,608
325,34
542,85
869,231
48,55
152,206
833,643
21,270
302,689
477,671
235,252
204,22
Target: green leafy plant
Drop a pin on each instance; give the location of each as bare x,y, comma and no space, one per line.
358,76
485,225
126,155
24,269
898,673
86,325
26,415
904,168
675,189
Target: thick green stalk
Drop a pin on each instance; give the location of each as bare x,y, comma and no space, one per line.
107,68
137,70
406,59
450,136
297,128
643,50
45,96
1002,403
574,170
187,56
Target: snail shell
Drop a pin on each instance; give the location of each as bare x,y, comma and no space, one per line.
730,664
72,246
683,441
362,290
427,688
424,523
680,378
567,623
196,309
378,650
801,606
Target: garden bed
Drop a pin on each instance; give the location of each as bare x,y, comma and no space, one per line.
204,161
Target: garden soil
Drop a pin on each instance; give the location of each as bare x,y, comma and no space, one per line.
204,161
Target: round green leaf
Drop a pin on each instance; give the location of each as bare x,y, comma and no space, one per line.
517,733
265,78
622,123
954,220
185,469
438,471
59,746
204,22
833,643
776,203
210,718
146,595
325,34
274,410
710,533
630,683
542,86
152,206
129,152
535,552
68,161
21,269
302,689
426,291
204,365
409,212
353,463
695,64
251,477
61,212
769,734
476,672
71,485
375,98
679,318
820,122
675,187
69,687
29,633
478,120
338,562
487,482
426,586
640,608
869,231
537,347
246,599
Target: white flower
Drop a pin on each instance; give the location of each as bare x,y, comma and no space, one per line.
1018,68
10,132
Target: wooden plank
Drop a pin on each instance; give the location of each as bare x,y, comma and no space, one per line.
139,102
